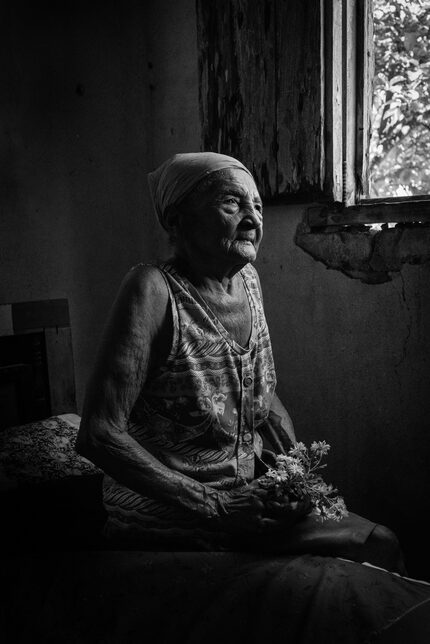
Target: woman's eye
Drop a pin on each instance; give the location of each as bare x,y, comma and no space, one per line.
231,203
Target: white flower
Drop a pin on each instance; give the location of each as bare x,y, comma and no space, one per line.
295,475
299,450
323,488
321,448
295,469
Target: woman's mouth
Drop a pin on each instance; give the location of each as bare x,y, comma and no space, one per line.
250,238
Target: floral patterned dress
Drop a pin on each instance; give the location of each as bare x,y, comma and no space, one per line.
199,412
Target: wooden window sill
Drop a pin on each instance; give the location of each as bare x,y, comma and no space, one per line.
408,210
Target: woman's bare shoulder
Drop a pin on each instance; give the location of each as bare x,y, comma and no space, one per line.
142,300
146,281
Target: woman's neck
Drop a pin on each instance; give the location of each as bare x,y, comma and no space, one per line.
205,276
224,296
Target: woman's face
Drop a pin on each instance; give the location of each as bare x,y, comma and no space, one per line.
225,220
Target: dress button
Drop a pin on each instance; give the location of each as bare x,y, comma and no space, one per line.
247,381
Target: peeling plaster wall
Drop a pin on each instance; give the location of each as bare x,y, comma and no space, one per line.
353,363
372,257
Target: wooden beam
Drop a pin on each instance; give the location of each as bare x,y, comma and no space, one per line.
365,73
321,216
50,317
299,105
59,357
34,316
333,83
349,100
6,322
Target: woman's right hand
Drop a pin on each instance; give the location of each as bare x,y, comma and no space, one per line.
249,509
241,509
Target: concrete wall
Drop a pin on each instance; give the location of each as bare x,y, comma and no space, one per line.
353,364
172,60
74,123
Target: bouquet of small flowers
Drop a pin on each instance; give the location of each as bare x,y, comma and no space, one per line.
296,476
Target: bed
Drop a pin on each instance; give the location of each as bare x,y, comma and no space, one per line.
50,495
64,585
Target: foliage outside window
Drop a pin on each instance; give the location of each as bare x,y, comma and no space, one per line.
400,138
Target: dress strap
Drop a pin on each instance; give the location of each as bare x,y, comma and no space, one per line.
194,294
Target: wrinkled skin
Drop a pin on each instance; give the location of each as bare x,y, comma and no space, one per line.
248,509
221,229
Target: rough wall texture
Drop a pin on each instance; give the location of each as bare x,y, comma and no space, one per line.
353,363
373,257
260,89
73,156
172,59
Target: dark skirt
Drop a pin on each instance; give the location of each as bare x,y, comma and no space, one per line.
345,538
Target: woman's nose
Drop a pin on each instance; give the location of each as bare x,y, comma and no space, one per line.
252,217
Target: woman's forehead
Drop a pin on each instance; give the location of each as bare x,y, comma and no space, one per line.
233,179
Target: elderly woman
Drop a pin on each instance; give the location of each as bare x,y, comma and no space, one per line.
181,410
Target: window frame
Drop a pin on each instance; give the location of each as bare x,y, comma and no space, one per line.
348,71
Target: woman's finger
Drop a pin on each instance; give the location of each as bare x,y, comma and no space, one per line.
269,524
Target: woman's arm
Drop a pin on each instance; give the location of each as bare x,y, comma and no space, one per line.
278,415
138,330
281,420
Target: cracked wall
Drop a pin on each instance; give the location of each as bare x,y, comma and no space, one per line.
353,365
370,256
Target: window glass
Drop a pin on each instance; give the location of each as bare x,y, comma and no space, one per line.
399,161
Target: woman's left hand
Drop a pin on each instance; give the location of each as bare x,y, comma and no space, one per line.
286,512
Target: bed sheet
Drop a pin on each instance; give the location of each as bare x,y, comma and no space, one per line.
41,451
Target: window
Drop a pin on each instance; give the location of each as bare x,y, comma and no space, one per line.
399,151
286,86
368,162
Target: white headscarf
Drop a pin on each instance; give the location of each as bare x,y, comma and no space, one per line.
176,177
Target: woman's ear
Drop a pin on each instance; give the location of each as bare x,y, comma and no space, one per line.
173,223
171,220
171,217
